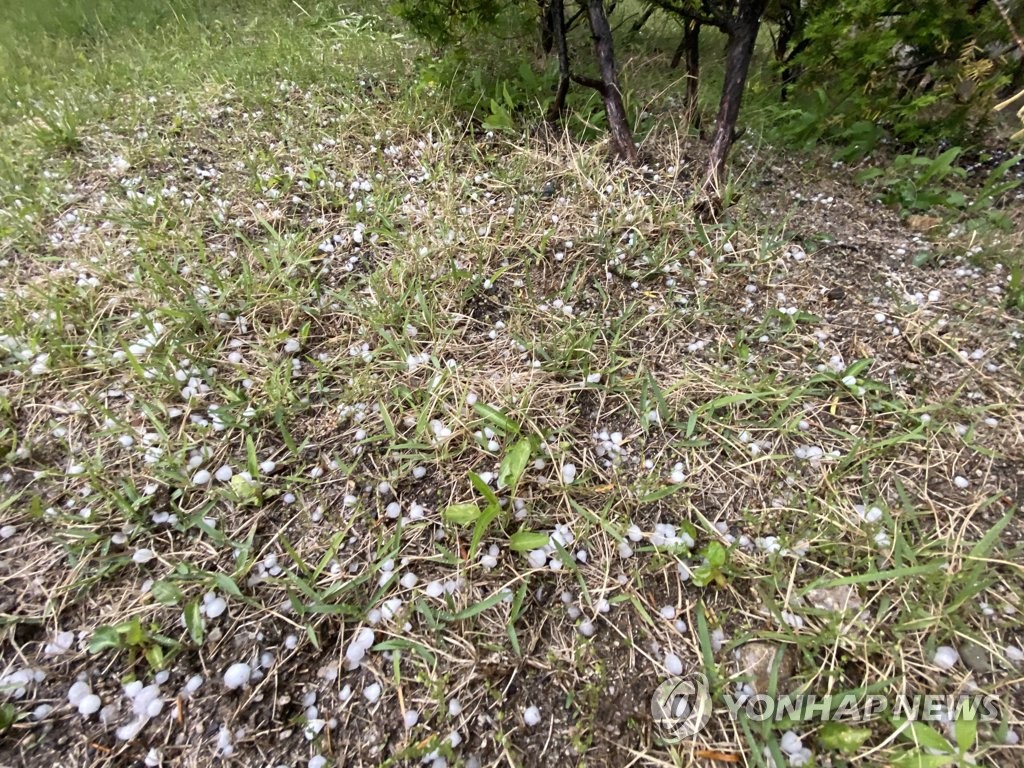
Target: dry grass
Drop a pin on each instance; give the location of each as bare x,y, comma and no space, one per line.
303,356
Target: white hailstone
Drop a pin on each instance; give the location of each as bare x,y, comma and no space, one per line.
531,716
372,692
89,705
538,558
62,642
849,381
76,693
41,712
668,612
568,473
202,477
454,708
224,474
434,589
237,675
317,761
76,469
267,467
946,657
634,533
586,628
677,476
193,684
625,550
410,718
126,441
411,331
673,664
7,531
132,729
1014,654
354,656
292,345
393,510
728,247
593,378
143,555
961,482
384,488
419,472
795,750
216,607
409,580
870,515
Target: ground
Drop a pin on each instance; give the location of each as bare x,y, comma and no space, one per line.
463,442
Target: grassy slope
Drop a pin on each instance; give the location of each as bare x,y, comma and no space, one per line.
231,240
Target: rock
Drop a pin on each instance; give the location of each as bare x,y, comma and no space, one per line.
754,662
840,599
978,658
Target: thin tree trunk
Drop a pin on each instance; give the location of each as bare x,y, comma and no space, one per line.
557,108
547,24
738,52
692,37
618,125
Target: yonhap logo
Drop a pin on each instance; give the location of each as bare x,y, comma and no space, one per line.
680,708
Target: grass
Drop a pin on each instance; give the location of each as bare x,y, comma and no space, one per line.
283,330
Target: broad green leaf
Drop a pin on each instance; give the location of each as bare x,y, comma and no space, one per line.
524,541
842,737
514,464
918,759
155,656
461,514
227,584
166,592
966,731
8,716
923,735
716,554
104,638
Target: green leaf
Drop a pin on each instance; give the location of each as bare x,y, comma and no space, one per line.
843,738
478,608
496,418
194,622
227,584
104,638
524,541
461,514
166,592
132,631
918,759
922,735
514,464
155,656
483,488
716,554
966,731
8,716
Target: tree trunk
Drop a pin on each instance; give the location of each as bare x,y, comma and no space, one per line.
738,52
557,108
691,38
547,24
618,125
